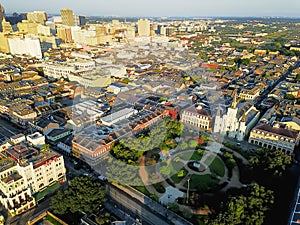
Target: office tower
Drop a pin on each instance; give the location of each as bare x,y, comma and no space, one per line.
64,34
144,27
28,27
37,17
67,17
79,20
2,12
6,27
4,46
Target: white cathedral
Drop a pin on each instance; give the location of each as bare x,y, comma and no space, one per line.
237,122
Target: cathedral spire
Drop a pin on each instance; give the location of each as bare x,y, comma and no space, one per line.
243,117
219,111
234,102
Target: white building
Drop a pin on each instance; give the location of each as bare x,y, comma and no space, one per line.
113,118
21,177
43,30
199,118
16,139
36,139
237,122
143,27
30,45
58,70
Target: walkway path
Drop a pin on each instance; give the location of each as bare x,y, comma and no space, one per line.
234,182
145,178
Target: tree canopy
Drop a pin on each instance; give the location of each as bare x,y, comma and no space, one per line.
84,194
274,161
246,209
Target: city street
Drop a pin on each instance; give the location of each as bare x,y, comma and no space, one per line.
7,129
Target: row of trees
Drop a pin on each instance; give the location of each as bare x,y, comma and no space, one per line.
248,208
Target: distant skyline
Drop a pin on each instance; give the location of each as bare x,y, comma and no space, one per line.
159,8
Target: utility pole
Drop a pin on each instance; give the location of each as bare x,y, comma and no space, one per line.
188,190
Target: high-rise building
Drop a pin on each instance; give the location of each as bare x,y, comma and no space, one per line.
79,20
64,33
143,27
6,27
2,13
67,17
4,46
28,27
37,17
30,45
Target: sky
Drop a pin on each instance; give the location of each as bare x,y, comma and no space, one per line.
144,8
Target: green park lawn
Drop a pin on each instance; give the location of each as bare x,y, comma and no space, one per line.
202,182
190,156
177,178
217,167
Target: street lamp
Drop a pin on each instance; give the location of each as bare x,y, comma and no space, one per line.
187,192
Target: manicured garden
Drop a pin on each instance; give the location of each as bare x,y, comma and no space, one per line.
217,167
202,182
177,177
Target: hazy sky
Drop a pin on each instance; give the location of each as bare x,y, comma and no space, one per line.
160,7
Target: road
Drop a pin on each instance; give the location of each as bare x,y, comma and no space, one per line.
143,207
136,207
265,93
7,129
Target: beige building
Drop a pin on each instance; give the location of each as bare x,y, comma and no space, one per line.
199,118
249,94
4,46
64,33
143,27
28,27
39,17
274,137
6,27
67,17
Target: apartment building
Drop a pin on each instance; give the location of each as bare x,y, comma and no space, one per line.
25,171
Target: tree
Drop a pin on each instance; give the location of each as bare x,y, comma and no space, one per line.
122,173
183,145
274,161
193,144
103,219
248,208
165,170
173,206
84,194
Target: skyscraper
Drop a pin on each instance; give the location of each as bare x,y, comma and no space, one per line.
37,17
79,20
2,13
6,27
67,17
144,27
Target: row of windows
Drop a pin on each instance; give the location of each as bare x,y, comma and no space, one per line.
272,135
195,115
195,120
